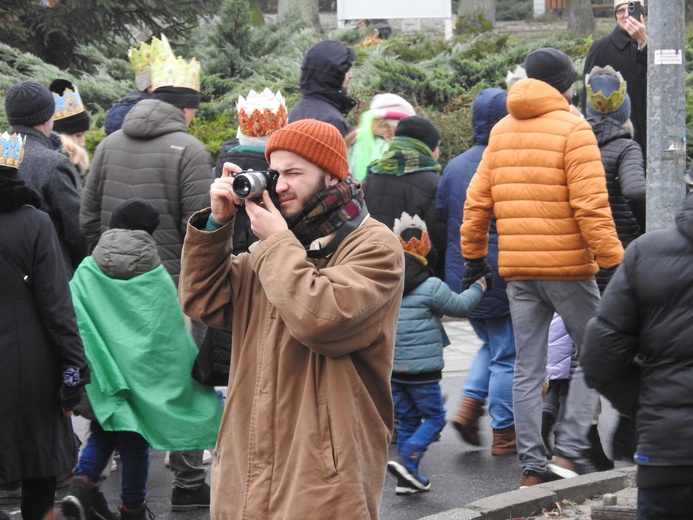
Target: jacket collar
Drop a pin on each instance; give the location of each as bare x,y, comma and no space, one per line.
620,38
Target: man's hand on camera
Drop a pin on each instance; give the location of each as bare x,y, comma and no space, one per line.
224,202
265,218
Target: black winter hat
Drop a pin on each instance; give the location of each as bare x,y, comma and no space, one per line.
419,128
180,97
135,213
74,119
551,66
28,104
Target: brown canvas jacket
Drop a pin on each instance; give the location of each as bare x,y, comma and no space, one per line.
309,414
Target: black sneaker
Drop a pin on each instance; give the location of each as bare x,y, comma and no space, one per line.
564,467
138,513
184,500
78,501
405,488
401,469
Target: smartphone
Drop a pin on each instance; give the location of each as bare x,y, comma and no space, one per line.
635,10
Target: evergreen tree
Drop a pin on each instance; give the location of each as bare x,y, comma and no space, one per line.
53,30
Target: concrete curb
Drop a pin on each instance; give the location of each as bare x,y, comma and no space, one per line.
530,501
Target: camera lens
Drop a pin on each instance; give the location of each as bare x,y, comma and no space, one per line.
241,187
249,185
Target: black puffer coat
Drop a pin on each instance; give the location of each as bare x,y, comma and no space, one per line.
38,335
625,181
637,350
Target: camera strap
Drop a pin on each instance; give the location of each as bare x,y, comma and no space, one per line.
15,267
342,233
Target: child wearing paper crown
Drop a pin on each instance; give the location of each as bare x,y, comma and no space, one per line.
418,362
141,357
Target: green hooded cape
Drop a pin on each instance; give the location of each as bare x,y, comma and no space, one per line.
141,357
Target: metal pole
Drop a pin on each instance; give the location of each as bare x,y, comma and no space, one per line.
666,111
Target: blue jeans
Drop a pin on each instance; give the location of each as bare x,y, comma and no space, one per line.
665,503
134,455
491,373
421,414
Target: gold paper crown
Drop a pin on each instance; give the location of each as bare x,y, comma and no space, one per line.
598,100
261,114
68,105
141,59
11,150
176,72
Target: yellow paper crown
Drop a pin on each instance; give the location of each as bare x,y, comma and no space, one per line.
67,105
11,150
176,72
141,59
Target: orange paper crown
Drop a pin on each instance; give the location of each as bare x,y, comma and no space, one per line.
261,114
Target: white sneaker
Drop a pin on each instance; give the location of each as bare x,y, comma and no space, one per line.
207,457
167,459
114,465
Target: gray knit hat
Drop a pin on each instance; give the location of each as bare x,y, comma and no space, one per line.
29,104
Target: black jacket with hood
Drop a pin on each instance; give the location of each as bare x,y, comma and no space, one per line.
322,75
637,350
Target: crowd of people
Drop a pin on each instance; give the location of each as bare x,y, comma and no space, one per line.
312,265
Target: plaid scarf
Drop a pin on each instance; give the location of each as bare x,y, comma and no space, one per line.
405,155
327,211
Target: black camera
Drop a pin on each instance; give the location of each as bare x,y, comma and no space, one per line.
251,184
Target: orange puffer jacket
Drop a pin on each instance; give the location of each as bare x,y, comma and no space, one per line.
543,178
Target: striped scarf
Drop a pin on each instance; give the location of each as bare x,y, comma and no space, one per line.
405,155
327,211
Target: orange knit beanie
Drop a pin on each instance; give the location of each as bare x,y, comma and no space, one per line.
317,142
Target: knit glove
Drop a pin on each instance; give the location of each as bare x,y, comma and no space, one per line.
475,269
72,386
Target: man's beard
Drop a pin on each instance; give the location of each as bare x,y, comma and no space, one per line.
318,188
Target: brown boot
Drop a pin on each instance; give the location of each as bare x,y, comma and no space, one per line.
504,441
466,420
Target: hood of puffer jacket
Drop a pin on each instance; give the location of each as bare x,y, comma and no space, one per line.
124,253
152,118
607,129
489,108
530,98
684,218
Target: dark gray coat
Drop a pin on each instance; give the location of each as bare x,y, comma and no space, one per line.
637,350
38,335
54,177
153,157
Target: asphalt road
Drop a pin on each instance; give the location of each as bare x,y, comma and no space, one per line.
459,473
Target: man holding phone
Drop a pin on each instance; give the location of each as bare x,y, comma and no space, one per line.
625,49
